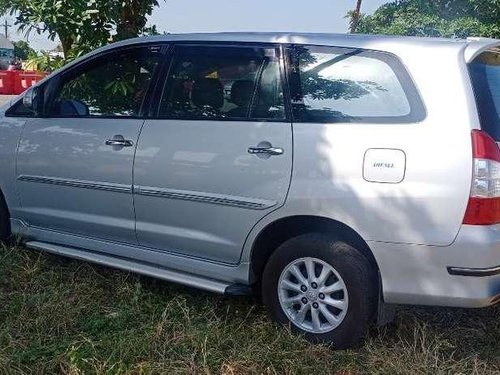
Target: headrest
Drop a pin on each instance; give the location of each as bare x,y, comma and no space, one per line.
241,92
68,107
207,92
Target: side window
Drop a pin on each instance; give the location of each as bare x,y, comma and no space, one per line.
19,110
108,86
350,85
223,82
485,75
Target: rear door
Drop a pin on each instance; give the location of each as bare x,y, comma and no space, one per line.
74,165
218,157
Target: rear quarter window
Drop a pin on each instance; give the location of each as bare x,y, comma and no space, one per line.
19,110
331,84
485,76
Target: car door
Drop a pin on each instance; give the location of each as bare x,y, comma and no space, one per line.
74,164
219,156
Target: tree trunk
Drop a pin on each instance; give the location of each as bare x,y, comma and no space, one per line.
355,17
66,44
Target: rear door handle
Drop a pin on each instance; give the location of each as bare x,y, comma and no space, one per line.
273,151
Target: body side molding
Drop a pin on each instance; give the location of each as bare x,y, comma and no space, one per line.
202,197
84,184
194,196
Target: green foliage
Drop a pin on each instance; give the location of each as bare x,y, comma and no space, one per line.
22,50
81,25
130,16
44,62
444,18
69,20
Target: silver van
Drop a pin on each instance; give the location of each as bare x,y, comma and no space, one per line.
334,174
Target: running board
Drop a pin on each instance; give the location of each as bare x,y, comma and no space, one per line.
140,268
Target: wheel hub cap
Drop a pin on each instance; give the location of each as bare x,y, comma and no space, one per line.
313,295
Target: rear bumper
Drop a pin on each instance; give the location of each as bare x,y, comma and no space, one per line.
464,274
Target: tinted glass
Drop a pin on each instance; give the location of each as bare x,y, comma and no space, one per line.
223,82
485,75
346,85
114,85
19,110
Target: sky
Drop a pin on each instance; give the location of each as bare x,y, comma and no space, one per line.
182,16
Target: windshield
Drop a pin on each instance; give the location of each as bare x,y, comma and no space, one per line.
485,75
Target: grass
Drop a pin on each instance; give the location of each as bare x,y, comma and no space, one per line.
64,316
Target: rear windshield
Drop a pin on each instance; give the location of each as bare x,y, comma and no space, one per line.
485,75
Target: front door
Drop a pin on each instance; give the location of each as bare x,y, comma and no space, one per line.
74,166
219,156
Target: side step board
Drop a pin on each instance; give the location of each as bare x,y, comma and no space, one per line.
141,268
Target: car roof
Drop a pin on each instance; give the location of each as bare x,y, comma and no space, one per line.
354,40
399,45
389,43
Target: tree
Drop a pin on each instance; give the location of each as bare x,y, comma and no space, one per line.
81,25
65,19
445,18
355,16
22,50
132,17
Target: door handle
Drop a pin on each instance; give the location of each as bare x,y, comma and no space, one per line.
273,151
119,142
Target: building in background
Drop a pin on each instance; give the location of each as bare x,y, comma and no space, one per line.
6,52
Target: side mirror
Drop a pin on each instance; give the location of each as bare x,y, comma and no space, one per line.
32,99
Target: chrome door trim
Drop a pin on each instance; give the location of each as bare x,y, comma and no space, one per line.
273,151
195,196
202,197
474,272
119,142
106,186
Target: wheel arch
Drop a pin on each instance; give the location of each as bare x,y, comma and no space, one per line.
282,229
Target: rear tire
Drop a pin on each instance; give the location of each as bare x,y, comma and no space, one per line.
335,302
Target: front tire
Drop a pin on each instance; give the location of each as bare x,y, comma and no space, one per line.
321,287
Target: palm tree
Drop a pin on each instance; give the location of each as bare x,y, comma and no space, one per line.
355,16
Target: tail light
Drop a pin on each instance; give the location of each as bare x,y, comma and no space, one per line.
484,201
